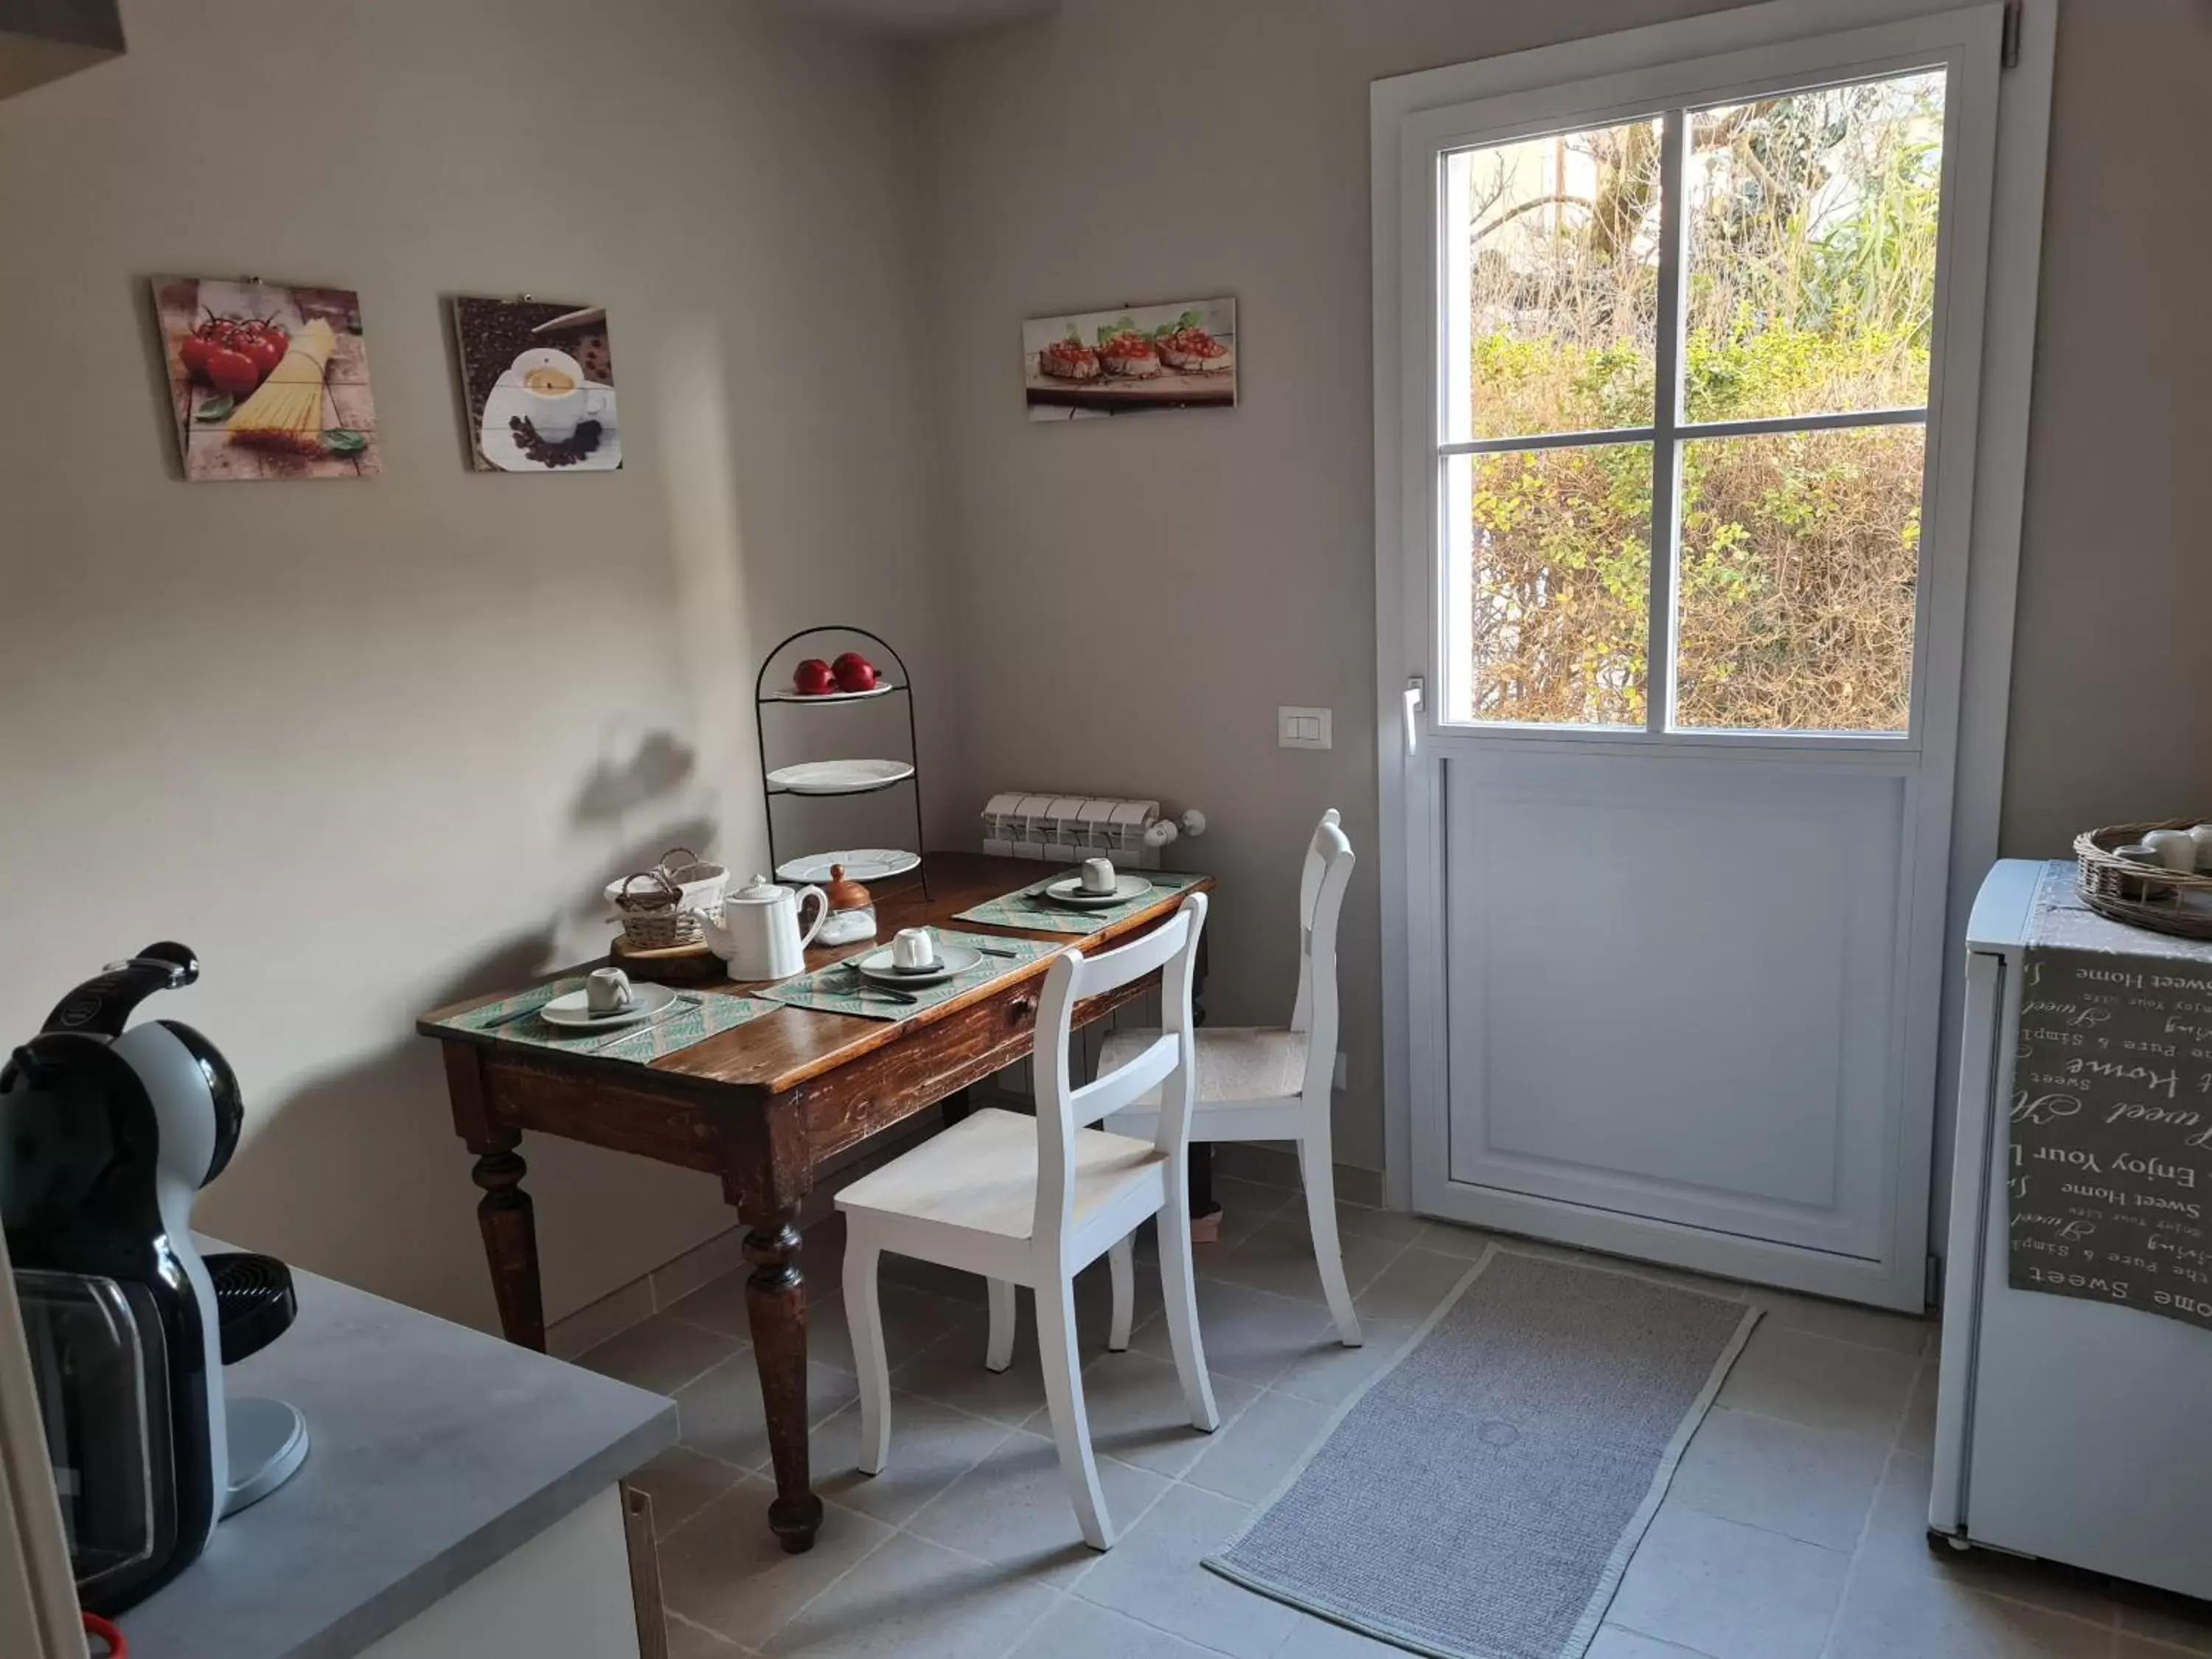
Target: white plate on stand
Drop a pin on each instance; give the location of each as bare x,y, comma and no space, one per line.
1070,892
951,959
575,1009
862,864
839,777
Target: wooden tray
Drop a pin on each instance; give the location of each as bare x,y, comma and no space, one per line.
674,964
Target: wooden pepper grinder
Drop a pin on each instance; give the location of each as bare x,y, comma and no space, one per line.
851,910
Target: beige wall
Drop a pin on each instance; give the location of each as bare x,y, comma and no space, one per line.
368,746
1244,544
371,746
2115,561
1247,541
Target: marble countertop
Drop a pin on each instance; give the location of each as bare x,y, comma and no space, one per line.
436,1450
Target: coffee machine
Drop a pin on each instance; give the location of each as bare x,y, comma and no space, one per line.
108,1131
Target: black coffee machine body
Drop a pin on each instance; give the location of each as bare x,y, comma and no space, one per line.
107,1132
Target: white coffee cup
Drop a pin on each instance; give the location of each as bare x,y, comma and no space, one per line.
2174,848
608,991
554,415
914,948
1098,875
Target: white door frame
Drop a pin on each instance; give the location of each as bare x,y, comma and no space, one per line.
1408,806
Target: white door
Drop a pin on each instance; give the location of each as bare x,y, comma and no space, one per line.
1689,361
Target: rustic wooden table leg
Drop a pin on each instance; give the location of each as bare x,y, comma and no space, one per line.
504,1213
1202,1204
509,1224
956,1106
1205,1213
775,1310
767,1174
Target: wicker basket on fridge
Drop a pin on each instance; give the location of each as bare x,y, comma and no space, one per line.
661,906
2142,895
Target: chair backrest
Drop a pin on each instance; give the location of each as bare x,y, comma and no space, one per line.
1169,1062
1320,898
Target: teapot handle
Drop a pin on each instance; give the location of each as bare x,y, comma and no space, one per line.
821,914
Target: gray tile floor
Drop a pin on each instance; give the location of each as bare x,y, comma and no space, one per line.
1794,1528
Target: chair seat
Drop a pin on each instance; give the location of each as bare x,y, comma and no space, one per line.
1235,1062
980,1175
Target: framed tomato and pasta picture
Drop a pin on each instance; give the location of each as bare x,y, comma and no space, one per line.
267,380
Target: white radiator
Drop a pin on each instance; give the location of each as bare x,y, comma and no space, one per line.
1067,828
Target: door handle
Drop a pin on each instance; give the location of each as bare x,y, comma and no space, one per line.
1416,701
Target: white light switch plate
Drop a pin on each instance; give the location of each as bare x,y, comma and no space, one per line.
1302,728
1343,1071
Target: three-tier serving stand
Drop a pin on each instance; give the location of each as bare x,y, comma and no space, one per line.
897,683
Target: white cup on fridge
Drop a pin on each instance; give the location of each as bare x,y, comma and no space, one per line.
2175,848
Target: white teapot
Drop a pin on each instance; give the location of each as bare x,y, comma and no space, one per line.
758,935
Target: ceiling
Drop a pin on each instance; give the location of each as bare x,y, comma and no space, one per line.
924,18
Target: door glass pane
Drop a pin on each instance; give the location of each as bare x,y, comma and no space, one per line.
1796,578
1551,271
1550,583
1812,231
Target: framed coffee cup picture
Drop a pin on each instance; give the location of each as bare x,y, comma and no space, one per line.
537,385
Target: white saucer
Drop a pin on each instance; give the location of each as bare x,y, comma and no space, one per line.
951,959
575,1009
1070,892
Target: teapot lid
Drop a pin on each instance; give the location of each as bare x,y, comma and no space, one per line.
762,891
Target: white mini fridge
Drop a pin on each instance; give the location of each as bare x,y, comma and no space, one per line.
2077,1426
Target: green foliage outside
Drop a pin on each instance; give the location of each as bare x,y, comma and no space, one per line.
1810,288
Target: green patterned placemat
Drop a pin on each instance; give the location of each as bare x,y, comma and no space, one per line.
1026,908
697,1016
840,990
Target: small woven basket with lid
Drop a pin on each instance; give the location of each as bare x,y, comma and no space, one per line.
2142,895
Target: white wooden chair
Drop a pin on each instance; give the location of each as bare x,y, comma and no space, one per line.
1033,1202
1258,1082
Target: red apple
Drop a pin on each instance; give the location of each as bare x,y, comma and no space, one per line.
814,678
854,673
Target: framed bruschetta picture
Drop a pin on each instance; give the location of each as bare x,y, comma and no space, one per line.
1181,355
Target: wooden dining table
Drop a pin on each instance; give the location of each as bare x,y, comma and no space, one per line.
769,1109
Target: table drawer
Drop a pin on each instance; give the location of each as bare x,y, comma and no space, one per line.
845,1107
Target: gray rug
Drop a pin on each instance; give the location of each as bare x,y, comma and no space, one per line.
1480,1498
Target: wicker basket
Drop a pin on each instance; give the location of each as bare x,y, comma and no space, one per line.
2142,895
661,906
